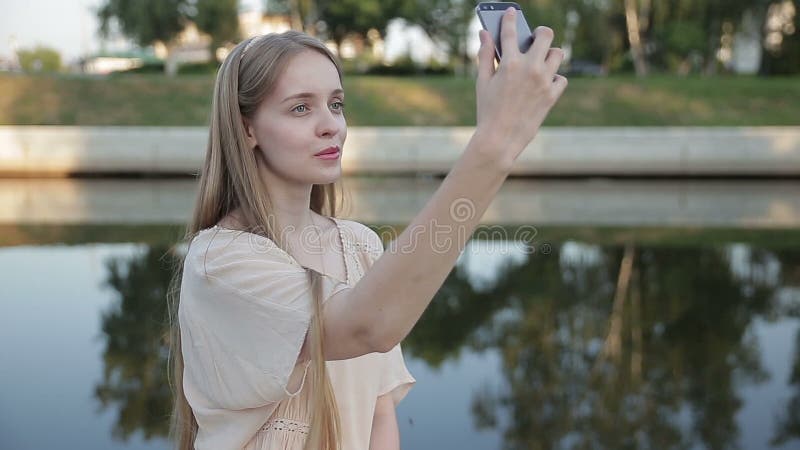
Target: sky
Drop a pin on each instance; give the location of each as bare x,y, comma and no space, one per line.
69,26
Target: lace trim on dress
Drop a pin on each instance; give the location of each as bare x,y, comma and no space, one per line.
345,252
362,246
292,426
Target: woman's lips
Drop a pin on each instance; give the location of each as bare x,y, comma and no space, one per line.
331,152
334,155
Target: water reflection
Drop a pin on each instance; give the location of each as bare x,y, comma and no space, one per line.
136,350
601,345
788,421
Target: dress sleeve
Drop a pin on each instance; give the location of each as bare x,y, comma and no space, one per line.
395,378
244,313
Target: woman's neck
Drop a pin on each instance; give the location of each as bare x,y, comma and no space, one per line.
289,203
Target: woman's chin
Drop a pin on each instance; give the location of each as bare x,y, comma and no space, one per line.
328,176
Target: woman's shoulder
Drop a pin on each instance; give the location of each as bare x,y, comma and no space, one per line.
223,247
360,236
226,263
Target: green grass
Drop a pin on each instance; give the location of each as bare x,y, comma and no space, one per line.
162,234
402,101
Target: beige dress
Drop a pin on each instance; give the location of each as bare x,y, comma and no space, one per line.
244,311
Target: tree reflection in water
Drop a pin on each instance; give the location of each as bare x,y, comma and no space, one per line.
684,344
591,357
136,335
788,422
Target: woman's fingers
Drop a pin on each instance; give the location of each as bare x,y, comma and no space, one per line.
559,84
542,38
555,56
485,57
508,33
514,99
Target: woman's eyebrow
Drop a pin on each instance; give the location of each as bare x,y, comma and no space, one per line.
309,95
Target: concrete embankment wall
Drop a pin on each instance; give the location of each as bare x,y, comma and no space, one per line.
561,151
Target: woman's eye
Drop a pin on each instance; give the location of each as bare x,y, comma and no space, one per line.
296,108
339,105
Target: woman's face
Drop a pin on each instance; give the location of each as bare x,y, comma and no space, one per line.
300,118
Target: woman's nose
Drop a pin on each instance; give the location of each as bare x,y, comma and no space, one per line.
329,124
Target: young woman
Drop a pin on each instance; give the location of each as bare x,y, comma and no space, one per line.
288,326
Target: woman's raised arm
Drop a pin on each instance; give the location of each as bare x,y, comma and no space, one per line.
512,102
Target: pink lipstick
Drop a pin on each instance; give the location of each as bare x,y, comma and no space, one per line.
332,152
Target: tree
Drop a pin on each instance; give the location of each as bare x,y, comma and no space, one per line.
338,18
636,26
39,59
782,41
708,20
147,22
444,21
584,28
219,19
343,17
302,13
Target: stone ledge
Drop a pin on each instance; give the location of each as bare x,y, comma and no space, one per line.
735,204
558,151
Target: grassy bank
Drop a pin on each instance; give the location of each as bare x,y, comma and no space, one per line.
391,101
663,237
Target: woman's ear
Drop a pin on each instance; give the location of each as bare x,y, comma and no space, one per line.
250,134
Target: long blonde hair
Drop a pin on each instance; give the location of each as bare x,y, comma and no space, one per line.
230,180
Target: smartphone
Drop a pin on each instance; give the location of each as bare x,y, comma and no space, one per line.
490,15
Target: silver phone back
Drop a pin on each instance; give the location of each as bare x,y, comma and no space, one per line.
491,19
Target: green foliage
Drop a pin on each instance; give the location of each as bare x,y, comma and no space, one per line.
407,66
151,21
145,21
219,19
304,14
343,17
444,21
683,37
208,68
597,34
40,59
278,7
147,68
786,60
680,28
677,34
679,41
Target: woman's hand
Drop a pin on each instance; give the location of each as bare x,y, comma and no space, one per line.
514,98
